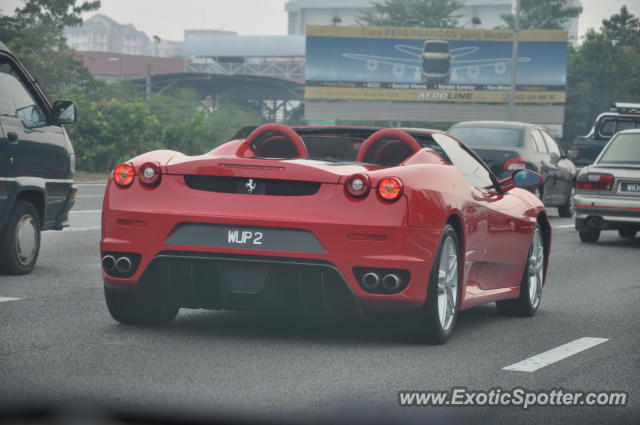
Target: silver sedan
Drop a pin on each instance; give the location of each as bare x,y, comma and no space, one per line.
608,191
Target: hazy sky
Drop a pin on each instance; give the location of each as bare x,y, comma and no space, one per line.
168,18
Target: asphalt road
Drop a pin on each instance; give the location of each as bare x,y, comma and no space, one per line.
58,343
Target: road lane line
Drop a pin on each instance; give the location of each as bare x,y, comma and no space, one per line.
555,354
85,211
81,229
564,226
5,299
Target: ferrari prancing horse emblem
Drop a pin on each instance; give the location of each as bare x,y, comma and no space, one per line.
250,186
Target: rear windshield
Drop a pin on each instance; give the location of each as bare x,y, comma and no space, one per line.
479,137
624,149
611,126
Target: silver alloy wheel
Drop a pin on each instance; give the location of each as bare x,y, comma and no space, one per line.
448,283
26,237
535,271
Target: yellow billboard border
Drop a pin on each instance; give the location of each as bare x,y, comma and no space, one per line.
413,33
431,95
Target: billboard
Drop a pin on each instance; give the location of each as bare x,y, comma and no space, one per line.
433,65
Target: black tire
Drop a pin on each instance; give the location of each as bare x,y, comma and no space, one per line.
567,210
136,308
430,330
590,236
524,306
11,260
627,233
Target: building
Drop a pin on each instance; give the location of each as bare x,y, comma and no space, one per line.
102,34
279,56
485,14
117,66
323,12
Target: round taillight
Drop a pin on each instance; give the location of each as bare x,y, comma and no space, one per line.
390,189
358,185
149,173
123,175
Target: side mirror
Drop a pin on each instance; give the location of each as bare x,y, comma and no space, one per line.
554,157
525,179
64,111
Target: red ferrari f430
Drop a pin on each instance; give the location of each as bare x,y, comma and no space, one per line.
337,221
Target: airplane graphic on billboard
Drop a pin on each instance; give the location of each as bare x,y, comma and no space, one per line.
435,62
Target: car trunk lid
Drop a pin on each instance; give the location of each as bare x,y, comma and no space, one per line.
231,171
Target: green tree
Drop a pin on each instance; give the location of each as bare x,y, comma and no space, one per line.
543,14
622,29
117,122
116,131
35,35
604,69
423,13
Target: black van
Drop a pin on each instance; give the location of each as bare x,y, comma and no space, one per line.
621,116
37,165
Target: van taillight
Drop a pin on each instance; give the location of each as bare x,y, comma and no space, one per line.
595,181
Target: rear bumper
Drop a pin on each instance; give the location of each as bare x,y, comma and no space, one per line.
241,282
606,212
322,280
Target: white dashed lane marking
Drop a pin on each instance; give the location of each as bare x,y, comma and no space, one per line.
564,226
80,229
6,299
555,355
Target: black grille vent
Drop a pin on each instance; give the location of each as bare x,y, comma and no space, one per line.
250,186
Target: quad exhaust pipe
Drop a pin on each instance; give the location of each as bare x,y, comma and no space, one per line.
112,264
109,263
373,281
370,280
123,265
391,281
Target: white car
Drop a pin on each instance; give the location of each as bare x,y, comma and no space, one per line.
608,191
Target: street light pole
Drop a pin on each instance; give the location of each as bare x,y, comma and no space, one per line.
514,59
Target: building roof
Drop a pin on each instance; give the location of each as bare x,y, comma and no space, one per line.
235,88
244,46
296,5
121,65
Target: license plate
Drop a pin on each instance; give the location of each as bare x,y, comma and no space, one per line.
630,187
245,237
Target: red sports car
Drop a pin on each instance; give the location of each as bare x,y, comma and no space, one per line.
338,221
